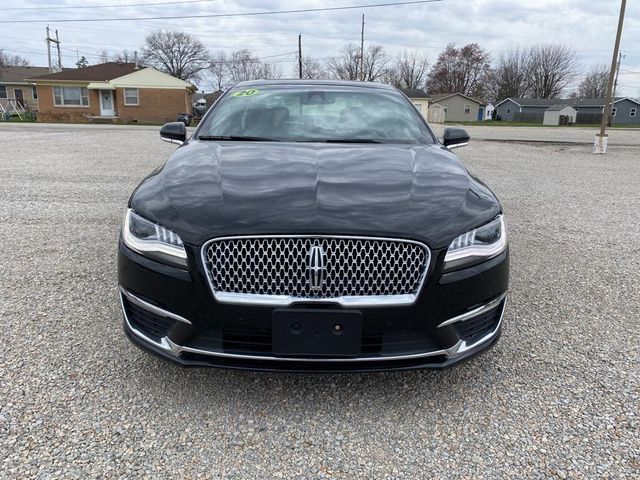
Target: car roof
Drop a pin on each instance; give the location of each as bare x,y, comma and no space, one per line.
310,83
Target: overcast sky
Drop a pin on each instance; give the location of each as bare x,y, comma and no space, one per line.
588,26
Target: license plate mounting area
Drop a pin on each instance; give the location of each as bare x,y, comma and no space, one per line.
317,333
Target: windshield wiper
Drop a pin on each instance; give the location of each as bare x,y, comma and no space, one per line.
350,140
239,138
338,140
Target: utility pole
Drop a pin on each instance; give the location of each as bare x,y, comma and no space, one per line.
615,84
300,56
362,50
48,40
600,145
59,56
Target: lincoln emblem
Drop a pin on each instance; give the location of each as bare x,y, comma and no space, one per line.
317,268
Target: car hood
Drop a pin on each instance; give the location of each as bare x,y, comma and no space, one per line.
212,189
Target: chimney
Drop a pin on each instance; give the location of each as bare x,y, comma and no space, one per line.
135,59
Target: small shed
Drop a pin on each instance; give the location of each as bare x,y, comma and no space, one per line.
559,115
488,111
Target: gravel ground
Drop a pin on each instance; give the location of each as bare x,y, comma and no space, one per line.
558,396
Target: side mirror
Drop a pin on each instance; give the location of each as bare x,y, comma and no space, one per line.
455,137
174,132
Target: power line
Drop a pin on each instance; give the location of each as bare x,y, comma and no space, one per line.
227,62
117,5
225,34
280,54
13,50
87,54
221,33
226,15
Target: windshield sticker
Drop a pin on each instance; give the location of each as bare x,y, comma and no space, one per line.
246,93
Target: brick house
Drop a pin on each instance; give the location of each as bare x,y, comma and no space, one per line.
113,92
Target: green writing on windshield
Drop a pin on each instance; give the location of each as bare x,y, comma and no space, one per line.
245,93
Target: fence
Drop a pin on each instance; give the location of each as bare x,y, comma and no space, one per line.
589,118
529,117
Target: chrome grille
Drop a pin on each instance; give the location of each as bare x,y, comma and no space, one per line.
284,269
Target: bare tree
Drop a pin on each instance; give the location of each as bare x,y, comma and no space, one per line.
218,69
408,71
269,70
375,61
176,53
242,66
126,56
510,76
552,68
463,70
7,60
103,56
594,85
347,66
312,69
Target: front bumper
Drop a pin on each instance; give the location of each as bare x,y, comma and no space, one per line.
172,313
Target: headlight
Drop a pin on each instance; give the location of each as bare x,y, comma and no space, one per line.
153,240
477,245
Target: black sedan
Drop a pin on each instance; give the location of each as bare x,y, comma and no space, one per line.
313,226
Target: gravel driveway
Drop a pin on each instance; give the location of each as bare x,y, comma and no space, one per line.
558,396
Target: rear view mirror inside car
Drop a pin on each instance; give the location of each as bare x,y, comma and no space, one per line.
317,98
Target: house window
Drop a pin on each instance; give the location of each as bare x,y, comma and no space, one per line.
508,111
614,110
131,96
3,91
632,112
70,97
34,93
467,109
446,109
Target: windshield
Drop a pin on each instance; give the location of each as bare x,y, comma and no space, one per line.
315,114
